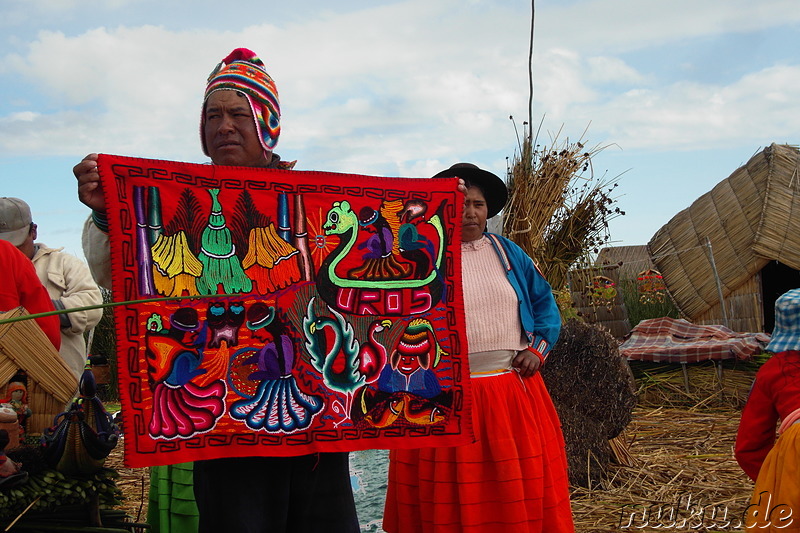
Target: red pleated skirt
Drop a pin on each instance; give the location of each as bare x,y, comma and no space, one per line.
514,478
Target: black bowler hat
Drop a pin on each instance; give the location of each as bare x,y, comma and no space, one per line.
494,189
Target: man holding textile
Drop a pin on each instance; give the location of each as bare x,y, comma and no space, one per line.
239,126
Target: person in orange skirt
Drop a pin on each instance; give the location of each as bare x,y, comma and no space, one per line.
774,465
514,477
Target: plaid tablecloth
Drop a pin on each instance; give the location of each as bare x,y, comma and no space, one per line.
669,340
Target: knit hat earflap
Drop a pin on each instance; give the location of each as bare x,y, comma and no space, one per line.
243,71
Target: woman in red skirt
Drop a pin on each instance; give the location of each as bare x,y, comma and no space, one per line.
514,477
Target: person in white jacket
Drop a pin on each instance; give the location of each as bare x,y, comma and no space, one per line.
66,278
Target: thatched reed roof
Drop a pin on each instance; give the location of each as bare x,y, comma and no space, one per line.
749,218
631,260
23,345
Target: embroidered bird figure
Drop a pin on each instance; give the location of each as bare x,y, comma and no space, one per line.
373,356
334,351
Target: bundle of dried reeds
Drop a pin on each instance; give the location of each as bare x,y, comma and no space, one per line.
557,211
593,392
27,347
50,382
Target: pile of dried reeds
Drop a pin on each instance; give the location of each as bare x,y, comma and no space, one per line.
593,391
665,384
557,211
684,468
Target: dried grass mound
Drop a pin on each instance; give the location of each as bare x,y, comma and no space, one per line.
586,373
588,452
594,393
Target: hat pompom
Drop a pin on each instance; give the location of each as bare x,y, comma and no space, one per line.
242,54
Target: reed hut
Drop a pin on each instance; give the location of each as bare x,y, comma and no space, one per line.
727,257
597,298
50,383
631,260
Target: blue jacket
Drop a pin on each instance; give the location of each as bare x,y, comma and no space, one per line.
541,319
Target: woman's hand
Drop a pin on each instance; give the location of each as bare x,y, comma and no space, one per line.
526,363
90,190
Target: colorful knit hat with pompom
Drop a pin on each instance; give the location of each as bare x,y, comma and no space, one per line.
243,71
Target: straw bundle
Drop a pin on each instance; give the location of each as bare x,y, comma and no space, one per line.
778,234
593,391
555,212
51,384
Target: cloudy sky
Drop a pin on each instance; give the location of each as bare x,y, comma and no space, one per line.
681,93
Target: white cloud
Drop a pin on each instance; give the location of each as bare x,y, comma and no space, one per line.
612,70
381,88
691,115
622,25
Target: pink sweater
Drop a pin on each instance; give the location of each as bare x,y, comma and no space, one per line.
490,303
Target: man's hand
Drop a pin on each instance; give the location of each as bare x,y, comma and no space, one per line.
90,191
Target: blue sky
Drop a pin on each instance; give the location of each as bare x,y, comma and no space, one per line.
681,92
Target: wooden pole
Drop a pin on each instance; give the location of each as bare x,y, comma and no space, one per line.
112,304
719,284
530,76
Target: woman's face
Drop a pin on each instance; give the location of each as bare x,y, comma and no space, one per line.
473,221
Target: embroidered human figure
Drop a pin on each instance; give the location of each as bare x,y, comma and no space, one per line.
408,388
407,374
18,400
278,404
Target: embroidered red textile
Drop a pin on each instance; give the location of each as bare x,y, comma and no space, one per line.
325,311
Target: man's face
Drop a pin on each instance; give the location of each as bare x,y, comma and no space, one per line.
27,246
230,131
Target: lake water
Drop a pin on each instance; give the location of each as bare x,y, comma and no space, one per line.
368,474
